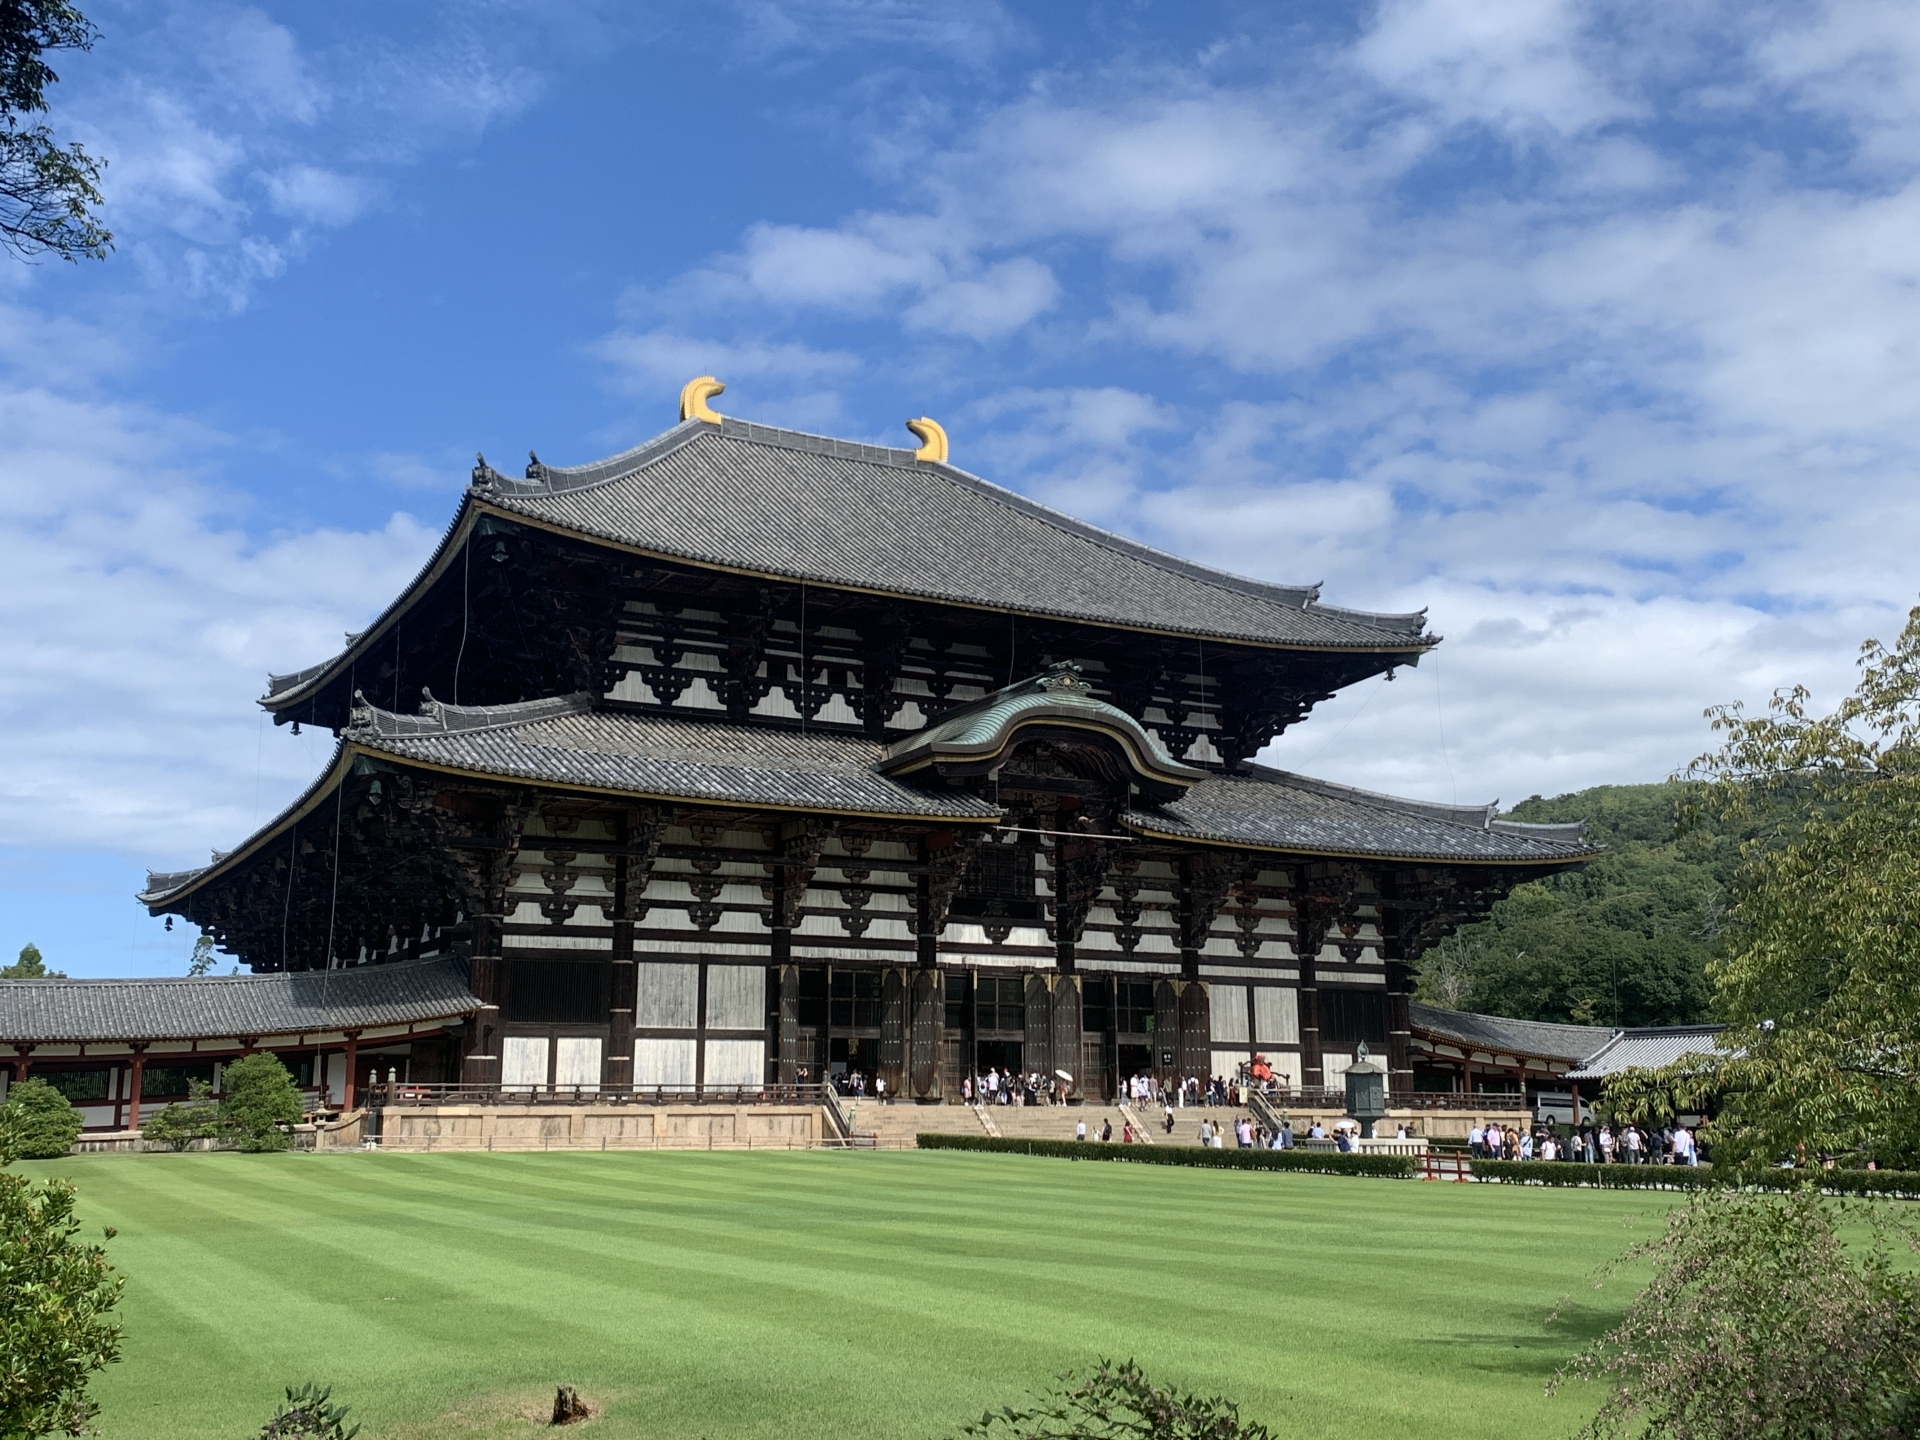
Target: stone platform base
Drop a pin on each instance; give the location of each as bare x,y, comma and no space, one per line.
603,1127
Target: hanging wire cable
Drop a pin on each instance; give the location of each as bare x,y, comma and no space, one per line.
293,869
1440,712
806,673
1012,641
333,905
1315,759
466,571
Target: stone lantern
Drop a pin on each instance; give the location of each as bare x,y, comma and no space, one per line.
1366,1090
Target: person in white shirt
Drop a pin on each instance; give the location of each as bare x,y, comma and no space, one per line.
1477,1141
1685,1152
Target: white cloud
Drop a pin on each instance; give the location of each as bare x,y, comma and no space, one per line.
317,195
139,623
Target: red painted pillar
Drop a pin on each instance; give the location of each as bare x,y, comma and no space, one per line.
134,1084
353,1058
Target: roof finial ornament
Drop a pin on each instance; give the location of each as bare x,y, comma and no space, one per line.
933,440
1064,677
694,396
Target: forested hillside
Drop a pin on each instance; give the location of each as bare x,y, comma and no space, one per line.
1624,941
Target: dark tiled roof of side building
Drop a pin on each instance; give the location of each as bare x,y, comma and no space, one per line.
1497,1034
1275,809
208,1007
783,503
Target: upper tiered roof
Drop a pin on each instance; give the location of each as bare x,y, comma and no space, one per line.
789,505
783,505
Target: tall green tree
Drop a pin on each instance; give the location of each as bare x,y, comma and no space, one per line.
57,1295
201,961
49,193
1624,940
1762,1323
1819,976
30,966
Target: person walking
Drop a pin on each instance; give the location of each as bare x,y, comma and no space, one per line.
1477,1141
1080,1131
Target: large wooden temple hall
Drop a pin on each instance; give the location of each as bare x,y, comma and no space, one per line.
748,757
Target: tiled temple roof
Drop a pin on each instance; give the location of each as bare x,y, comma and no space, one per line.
1277,810
1496,1033
1647,1049
787,504
564,741
306,1002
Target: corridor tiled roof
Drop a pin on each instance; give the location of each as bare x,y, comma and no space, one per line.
1497,1034
787,504
205,1007
1277,810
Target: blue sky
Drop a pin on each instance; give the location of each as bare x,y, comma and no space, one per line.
1592,327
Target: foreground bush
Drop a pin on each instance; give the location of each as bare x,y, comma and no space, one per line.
308,1413
56,1302
1760,1324
1117,1401
43,1125
1320,1162
174,1126
260,1097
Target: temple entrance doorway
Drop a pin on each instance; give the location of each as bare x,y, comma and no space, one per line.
1133,1060
1001,1055
851,1055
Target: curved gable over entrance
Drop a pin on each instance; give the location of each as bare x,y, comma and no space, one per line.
979,739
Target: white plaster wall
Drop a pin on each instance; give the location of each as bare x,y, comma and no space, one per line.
669,998
736,999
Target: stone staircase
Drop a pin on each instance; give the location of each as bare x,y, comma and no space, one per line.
899,1126
1055,1122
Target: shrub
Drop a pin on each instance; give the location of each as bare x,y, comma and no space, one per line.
308,1413
1116,1401
1761,1323
260,1098
1322,1162
56,1299
43,1125
175,1125
1899,1184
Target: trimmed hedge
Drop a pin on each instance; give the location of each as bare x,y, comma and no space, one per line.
1902,1184
1318,1162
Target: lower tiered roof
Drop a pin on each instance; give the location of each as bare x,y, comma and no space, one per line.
568,744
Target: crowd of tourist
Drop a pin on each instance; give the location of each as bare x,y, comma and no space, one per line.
1601,1144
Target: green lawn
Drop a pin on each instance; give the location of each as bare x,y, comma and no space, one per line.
834,1295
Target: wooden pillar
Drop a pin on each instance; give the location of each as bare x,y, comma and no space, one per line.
22,1062
1312,1076
135,1078
894,1024
1036,1047
353,1059
928,1029
1165,1059
788,1049
1196,1030
1399,1028
617,1066
1068,1023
